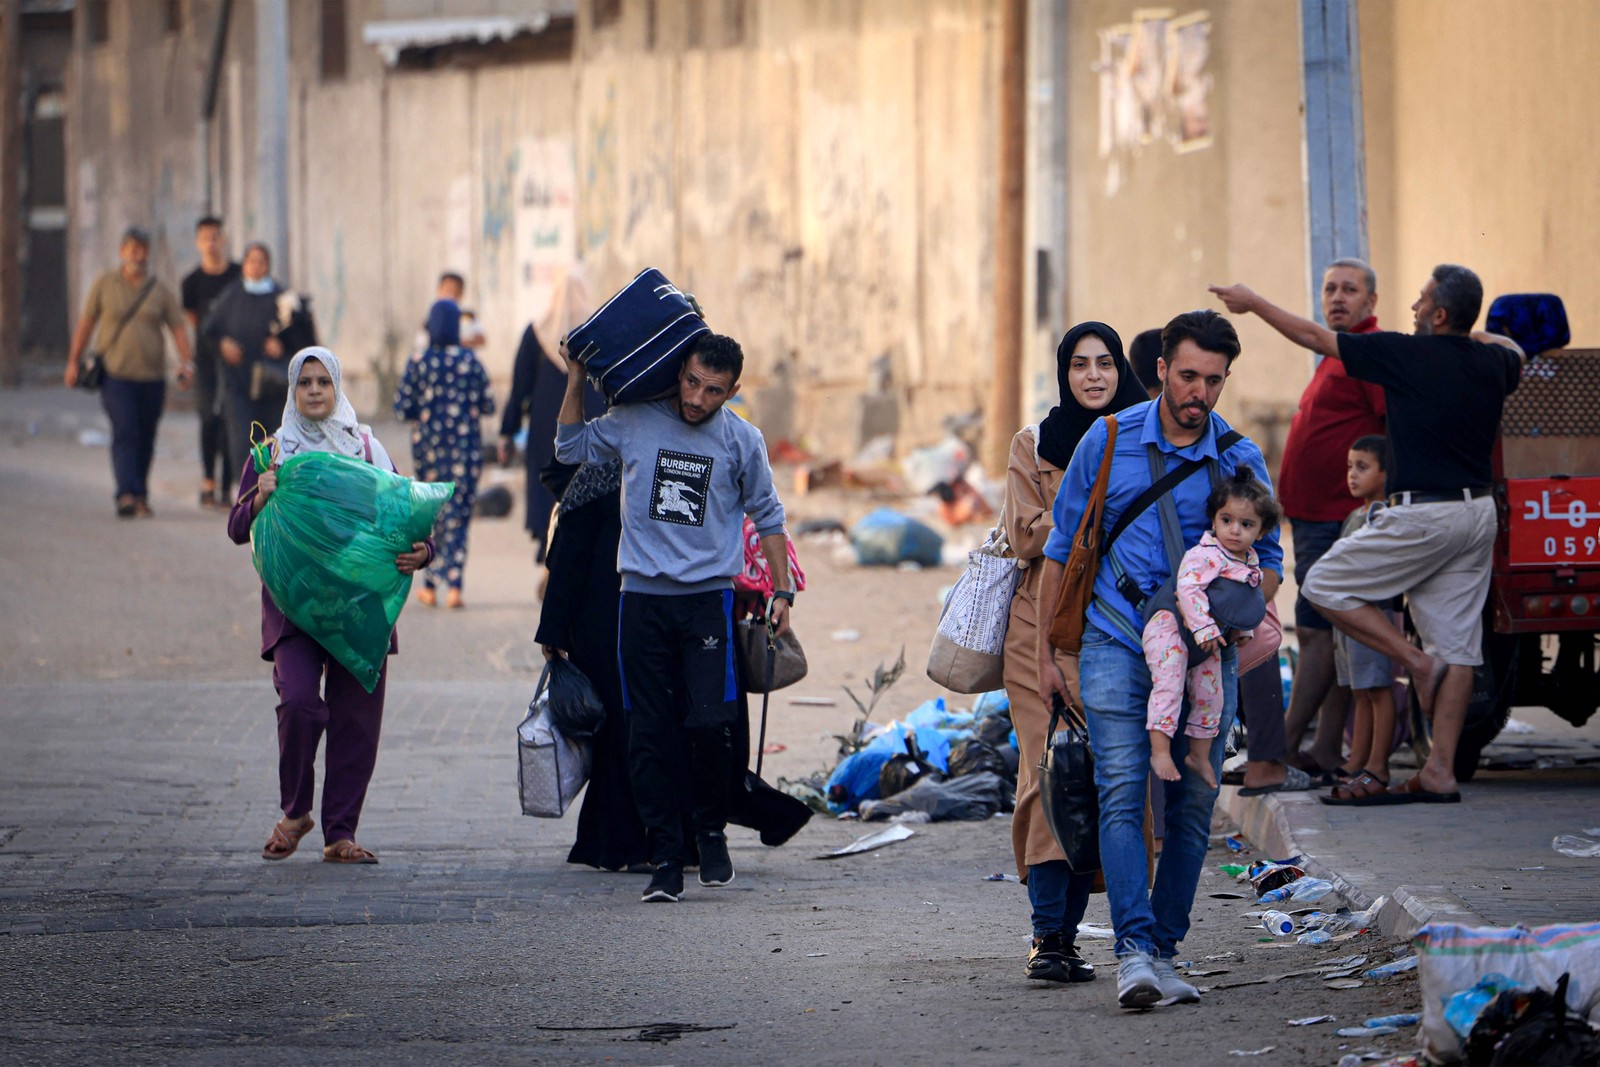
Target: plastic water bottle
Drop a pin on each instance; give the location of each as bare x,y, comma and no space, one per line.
1575,846
1278,924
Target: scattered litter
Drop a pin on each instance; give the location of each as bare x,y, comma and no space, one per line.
1222,956
1102,933
1340,965
1233,870
1311,1020
814,955
999,877
1541,867
1192,973
915,817
1345,983
814,702
1236,845
1302,888
1366,1031
1262,1051
887,836
847,635
772,748
1461,1011
1516,726
1404,1019
1576,846
1389,970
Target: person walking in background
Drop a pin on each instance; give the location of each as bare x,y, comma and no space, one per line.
220,455
445,395
453,287
1143,354
1444,390
1093,379
1334,410
243,326
1198,350
318,418
538,382
125,310
1367,674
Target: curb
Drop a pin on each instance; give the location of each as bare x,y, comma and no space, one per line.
1292,824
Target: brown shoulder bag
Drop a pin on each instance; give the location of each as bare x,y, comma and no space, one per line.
1083,563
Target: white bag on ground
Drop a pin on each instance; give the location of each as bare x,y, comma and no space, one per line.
1451,958
969,649
551,770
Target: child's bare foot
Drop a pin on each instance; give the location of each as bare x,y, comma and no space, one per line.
1161,757
1199,762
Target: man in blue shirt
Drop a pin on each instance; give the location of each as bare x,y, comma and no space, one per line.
1197,352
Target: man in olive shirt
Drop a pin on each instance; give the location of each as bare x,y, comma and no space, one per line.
125,311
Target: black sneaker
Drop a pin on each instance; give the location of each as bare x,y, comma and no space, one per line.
1055,959
715,866
666,885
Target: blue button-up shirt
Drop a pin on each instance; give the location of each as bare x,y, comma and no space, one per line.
1140,549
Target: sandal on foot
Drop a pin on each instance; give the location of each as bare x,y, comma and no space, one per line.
347,851
1364,789
427,597
285,839
1294,780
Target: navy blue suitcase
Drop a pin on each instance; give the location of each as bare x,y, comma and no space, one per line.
633,347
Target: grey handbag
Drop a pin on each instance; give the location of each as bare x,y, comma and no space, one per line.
551,769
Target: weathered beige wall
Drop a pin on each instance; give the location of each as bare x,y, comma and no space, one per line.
1150,227
1482,114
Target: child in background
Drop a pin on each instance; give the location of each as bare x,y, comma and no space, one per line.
1366,672
1241,510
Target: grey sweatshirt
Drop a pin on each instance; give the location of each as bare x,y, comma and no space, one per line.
685,492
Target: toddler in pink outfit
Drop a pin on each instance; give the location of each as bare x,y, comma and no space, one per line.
1241,510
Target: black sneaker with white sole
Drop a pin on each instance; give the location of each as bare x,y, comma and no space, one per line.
716,868
666,885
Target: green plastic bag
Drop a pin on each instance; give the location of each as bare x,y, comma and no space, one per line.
325,544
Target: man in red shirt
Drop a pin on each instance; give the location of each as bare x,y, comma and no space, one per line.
1334,411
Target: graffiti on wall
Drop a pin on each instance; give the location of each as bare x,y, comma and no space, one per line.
1154,82
546,221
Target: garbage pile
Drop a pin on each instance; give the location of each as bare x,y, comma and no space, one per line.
938,763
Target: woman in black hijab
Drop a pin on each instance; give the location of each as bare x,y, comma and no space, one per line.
1094,380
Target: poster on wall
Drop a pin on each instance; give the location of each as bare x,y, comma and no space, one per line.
546,223
1189,83
1154,83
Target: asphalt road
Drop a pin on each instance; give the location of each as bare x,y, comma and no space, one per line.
138,925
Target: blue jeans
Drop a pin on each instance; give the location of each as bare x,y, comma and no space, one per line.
1115,683
134,409
1059,898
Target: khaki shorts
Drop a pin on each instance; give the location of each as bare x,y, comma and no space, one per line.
1438,555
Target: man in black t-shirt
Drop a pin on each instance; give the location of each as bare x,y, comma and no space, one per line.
1444,388
220,459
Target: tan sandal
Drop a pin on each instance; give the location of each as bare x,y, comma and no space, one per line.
285,839
347,851
427,597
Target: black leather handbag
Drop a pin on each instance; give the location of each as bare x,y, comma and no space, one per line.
1067,791
787,665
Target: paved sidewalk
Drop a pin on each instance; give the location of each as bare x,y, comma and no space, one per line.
1486,861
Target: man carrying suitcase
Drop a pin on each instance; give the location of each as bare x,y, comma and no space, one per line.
690,472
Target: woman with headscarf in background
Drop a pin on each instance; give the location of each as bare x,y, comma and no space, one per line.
1094,379
318,418
243,324
445,395
538,382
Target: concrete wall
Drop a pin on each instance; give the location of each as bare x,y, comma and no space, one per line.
1155,218
1482,148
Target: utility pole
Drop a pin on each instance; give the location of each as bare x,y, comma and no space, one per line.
1335,137
11,156
272,129
1004,415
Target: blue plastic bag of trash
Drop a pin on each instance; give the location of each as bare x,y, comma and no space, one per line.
934,714
884,538
325,544
856,777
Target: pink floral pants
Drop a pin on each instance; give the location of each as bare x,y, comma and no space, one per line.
1164,651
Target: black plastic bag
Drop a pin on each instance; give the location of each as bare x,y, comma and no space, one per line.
1067,791
977,796
1531,1026
906,769
575,707
972,756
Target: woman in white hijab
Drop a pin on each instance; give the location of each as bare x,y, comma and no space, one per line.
318,418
